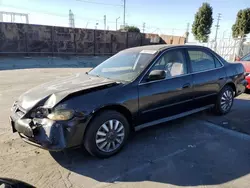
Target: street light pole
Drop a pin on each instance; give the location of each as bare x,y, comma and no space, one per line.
116,22
124,13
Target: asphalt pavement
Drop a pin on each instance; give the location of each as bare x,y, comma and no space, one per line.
195,151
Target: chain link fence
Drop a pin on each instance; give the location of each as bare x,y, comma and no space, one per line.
228,48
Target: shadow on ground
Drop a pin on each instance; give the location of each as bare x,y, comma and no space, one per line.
12,63
184,152
237,119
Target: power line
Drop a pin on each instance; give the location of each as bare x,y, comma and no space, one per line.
49,13
98,3
91,20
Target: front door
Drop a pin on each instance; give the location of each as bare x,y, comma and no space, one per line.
162,98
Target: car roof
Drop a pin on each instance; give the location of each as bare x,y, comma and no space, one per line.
160,47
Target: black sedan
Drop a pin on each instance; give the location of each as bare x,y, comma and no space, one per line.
134,89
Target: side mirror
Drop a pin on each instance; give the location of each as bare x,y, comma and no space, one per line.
156,75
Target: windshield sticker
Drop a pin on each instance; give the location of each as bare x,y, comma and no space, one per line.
148,51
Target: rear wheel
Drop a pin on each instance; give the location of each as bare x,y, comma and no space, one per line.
247,91
224,101
106,134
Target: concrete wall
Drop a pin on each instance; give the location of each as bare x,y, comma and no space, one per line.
37,39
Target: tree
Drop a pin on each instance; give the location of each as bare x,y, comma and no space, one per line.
202,24
131,29
242,24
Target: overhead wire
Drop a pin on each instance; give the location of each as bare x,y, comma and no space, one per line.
89,20
98,3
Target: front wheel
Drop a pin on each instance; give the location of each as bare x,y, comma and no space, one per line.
106,134
224,101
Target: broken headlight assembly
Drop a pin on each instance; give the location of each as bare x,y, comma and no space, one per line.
61,115
40,112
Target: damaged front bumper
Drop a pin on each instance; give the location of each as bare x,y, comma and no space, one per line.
49,134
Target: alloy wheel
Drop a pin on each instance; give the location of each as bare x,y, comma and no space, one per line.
110,135
226,100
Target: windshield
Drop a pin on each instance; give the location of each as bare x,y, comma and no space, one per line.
125,65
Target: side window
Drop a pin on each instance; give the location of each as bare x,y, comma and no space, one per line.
246,58
173,62
201,60
217,63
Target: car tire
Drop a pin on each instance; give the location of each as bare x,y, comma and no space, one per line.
247,91
224,101
106,134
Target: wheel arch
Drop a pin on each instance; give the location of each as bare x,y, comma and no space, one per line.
116,107
232,85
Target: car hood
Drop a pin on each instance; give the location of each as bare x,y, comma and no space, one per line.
246,65
52,93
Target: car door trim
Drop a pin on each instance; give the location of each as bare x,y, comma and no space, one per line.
165,106
204,96
170,118
164,79
180,76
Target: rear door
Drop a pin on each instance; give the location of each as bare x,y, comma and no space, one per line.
170,96
208,76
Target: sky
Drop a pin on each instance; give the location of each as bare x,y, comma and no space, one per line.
160,16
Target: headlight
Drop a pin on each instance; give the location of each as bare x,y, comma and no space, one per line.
40,112
61,115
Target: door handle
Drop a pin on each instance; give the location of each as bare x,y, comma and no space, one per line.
221,78
187,85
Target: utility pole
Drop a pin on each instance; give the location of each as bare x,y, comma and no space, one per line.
124,12
216,31
187,32
87,25
105,22
116,22
71,19
143,27
1,17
